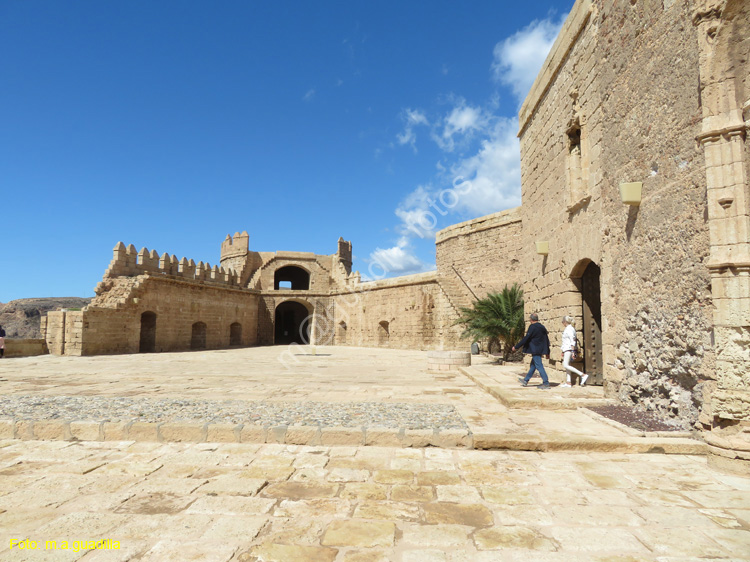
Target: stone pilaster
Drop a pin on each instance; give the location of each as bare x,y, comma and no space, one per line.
723,137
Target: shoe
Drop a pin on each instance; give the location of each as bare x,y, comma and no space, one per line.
543,387
584,378
564,385
522,381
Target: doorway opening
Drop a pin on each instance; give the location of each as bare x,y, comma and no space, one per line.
384,332
235,334
292,324
341,334
588,282
198,336
148,333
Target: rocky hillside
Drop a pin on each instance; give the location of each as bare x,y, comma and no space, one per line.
20,318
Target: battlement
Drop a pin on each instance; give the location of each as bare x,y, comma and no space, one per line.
128,262
235,246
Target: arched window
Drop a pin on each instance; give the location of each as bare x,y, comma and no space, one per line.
235,334
198,336
291,277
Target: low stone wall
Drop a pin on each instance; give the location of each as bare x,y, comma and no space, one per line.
25,348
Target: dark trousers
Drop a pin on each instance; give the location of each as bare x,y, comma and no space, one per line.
536,365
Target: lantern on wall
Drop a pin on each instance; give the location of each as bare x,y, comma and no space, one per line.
542,247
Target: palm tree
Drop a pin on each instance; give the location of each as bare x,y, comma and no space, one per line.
498,316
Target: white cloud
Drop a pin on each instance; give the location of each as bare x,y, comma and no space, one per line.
493,174
415,215
412,118
309,95
462,121
518,59
485,182
398,260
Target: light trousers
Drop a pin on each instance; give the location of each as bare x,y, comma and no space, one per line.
567,366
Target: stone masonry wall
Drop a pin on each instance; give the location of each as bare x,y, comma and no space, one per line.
617,101
485,252
409,312
113,324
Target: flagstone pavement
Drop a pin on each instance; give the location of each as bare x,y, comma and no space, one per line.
284,502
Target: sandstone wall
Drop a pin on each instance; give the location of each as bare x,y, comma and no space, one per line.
112,323
617,101
483,253
409,312
25,347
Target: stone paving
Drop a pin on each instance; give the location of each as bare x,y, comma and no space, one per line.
334,378
244,502
274,501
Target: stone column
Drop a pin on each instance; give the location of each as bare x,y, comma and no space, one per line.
723,137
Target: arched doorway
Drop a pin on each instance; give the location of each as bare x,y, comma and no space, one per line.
292,322
591,325
341,333
198,336
148,333
291,277
384,332
235,334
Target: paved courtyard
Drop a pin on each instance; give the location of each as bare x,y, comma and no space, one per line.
267,501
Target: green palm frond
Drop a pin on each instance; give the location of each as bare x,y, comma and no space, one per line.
497,316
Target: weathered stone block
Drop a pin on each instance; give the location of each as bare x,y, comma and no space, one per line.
51,430
302,435
144,431
86,430
223,433
6,429
251,433
342,436
178,432
115,431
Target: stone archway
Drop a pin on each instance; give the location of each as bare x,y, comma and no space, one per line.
586,276
292,323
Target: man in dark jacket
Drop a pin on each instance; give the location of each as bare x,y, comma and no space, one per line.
535,342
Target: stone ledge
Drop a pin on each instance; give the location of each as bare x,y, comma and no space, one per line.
510,398
530,442
200,432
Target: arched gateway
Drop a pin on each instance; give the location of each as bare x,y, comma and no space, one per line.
292,322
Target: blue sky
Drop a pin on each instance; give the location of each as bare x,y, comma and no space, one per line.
171,124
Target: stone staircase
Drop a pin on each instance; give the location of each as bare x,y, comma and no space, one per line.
457,293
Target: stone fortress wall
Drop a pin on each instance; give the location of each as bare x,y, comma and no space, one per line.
588,126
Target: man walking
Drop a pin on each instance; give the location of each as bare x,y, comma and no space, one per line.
535,342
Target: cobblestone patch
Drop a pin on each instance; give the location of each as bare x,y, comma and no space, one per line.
317,414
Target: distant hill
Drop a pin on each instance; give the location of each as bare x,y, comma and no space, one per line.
20,318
